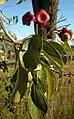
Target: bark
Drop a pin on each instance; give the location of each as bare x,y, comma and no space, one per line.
51,6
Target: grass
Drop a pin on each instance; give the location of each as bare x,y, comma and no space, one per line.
61,106
1,73
7,109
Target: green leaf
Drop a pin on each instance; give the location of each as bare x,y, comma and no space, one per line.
68,50
21,83
50,49
21,59
52,52
14,76
50,79
20,1
42,73
24,43
58,46
43,85
54,61
26,38
31,56
42,78
38,97
34,111
3,1
35,43
61,50
43,59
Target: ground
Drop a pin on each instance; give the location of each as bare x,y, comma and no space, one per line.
60,106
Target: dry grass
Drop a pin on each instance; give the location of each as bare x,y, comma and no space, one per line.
61,106
70,67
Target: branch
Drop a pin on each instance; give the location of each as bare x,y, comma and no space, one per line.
4,14
63,26
61,19
7,33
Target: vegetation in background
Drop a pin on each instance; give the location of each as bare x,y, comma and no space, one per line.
39,61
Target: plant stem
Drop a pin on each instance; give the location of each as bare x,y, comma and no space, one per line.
7,33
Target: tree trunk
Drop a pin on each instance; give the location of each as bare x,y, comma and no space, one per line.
51,6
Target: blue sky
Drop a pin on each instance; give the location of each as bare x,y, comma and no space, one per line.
66,7
18,10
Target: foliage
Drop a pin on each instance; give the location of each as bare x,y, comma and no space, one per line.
37,60
32,59
33,56
7,108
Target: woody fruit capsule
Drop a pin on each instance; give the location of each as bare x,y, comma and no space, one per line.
65,34
42,17
28,18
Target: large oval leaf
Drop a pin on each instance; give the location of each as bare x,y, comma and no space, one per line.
58,46
21,83
42,78
53,61
50,80
68,50
34,111
61,50
14,76
52,52
38,97
24,43
31,56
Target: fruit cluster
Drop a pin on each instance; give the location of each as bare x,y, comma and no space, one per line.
65,34
41,17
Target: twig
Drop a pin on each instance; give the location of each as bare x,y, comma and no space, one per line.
5,21
36,28
7,33
62,26
4,14
62,18
5,39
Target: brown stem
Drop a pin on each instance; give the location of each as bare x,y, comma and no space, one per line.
4,14
36,28
7,33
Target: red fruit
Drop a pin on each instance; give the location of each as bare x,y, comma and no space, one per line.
42,17
27,18
66,37
64,29
28,23
70,33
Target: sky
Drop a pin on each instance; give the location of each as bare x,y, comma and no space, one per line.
11,9
66,7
